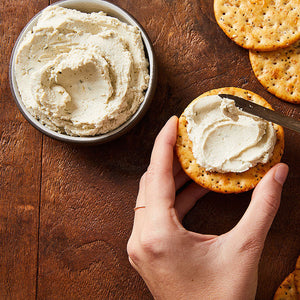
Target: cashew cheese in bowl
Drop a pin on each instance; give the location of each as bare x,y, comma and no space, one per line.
82,74
226,139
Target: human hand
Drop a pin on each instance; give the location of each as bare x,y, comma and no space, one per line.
180,264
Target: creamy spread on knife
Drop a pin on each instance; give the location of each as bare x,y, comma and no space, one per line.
81,74
226,139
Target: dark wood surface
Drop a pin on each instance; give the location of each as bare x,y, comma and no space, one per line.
66,211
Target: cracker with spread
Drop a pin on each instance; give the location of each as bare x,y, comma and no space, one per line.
224,149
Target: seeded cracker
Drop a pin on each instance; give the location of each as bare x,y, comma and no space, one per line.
287,290
262,25
290,287
225,182
279,71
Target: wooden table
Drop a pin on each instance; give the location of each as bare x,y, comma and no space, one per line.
66,211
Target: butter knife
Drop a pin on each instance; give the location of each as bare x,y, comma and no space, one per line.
264,113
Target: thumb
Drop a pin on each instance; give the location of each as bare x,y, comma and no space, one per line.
258,218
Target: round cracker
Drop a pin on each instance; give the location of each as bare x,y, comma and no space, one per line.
226,182
290,287
262,25
279,71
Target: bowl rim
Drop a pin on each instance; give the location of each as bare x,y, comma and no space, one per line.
122,129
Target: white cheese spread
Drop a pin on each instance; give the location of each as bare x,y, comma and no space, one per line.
81,74
226,139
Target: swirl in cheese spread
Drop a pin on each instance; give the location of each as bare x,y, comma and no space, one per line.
81,74
226,139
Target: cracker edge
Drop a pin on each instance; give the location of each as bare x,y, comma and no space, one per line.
288,285
270,89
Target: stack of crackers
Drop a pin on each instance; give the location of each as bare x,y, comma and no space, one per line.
270,29
290,287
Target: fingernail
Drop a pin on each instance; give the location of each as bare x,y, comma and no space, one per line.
281,173
174,117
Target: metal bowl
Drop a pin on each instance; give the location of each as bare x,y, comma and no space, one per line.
111,10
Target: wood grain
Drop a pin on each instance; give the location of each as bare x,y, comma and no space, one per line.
20,170
87,194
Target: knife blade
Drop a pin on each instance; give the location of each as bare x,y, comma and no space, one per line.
264,113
